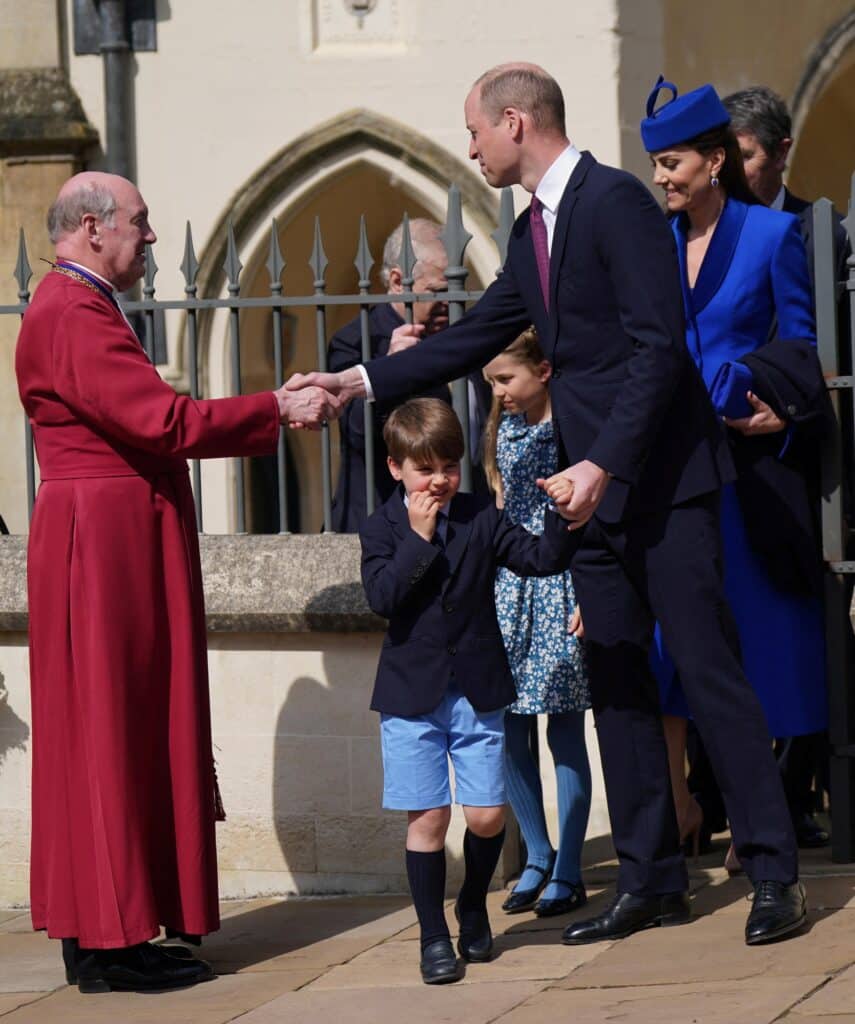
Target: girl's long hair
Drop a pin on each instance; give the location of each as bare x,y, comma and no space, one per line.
526,350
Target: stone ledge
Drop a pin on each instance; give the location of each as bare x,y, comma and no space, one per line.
40,113
298,583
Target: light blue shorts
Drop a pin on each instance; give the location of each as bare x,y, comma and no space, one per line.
416,752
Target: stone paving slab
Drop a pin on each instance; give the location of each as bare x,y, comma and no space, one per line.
441,1004
15,921
711,949
26,964
836,997
216,1002
758,1001
12,1000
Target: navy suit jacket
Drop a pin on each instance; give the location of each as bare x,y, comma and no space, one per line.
349,506
440,602
625,393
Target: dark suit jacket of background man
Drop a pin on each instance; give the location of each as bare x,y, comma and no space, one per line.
349,509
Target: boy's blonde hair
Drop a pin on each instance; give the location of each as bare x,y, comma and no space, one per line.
527,351
423,428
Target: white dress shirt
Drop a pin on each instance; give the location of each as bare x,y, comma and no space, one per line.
107,284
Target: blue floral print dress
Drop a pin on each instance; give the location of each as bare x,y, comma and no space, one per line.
548,664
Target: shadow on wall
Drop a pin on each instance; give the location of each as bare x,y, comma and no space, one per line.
14,732
328,774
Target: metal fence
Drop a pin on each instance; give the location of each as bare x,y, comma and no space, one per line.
836,348
150,310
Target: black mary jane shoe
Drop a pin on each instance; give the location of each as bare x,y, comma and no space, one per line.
439,965
475,942
520,900
575,898
630,913
777,910
140,968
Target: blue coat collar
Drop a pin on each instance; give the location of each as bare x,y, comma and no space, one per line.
718,257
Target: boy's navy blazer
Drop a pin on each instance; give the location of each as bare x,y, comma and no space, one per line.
625,392
440,602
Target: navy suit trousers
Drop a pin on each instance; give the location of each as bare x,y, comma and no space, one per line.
668,567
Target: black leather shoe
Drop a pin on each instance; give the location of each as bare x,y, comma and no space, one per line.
810,835
577,897
524,899
141,968
778,910
475,943
629,913
439,964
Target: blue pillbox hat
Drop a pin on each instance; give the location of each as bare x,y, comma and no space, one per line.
682,117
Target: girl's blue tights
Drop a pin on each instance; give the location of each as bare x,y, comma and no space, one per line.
565,734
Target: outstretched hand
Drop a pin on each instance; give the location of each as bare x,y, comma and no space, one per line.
577,491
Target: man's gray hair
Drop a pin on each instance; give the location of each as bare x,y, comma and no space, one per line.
67,211
761,112
424,234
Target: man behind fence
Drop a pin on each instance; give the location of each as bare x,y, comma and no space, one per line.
124,791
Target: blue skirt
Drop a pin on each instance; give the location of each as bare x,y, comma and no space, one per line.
782,637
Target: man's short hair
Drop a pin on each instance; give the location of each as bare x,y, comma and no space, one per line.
426,241
760,111
67,211
423,428
527,88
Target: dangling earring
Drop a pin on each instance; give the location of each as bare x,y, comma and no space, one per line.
714,181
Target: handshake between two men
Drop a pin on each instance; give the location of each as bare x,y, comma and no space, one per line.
307,400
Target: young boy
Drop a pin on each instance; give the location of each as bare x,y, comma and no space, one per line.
429,557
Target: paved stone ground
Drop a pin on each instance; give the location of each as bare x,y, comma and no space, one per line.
355,961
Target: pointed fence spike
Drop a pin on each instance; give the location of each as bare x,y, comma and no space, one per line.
849,223
151,269
364,260
233,265
501,236
275,261
23,270
318,259
189,265
407,257
454,235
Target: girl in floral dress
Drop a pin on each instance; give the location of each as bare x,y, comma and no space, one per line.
539,624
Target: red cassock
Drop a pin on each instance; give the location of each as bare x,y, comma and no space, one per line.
123,778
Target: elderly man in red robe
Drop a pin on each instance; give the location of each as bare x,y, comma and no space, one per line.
123,776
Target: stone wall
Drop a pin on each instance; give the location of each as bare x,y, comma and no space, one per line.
292,654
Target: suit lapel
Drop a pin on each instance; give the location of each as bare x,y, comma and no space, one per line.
457,534
719,254
559,241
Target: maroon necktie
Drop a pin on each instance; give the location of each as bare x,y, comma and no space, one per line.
541,247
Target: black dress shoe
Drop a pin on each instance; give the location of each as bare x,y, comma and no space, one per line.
475,942
629,913
810,835
524,899
778,910
439,964
577,897
141,968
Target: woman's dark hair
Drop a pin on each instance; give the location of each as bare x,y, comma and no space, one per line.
732,174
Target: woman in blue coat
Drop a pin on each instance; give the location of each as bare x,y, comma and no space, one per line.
745,279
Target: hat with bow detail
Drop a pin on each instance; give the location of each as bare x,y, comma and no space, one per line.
682,117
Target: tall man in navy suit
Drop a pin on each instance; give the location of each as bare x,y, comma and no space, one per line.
592,264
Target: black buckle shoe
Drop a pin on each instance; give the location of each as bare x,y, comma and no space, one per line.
439,965
629,913
778,909
141,968
576,898
525,899
475,942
